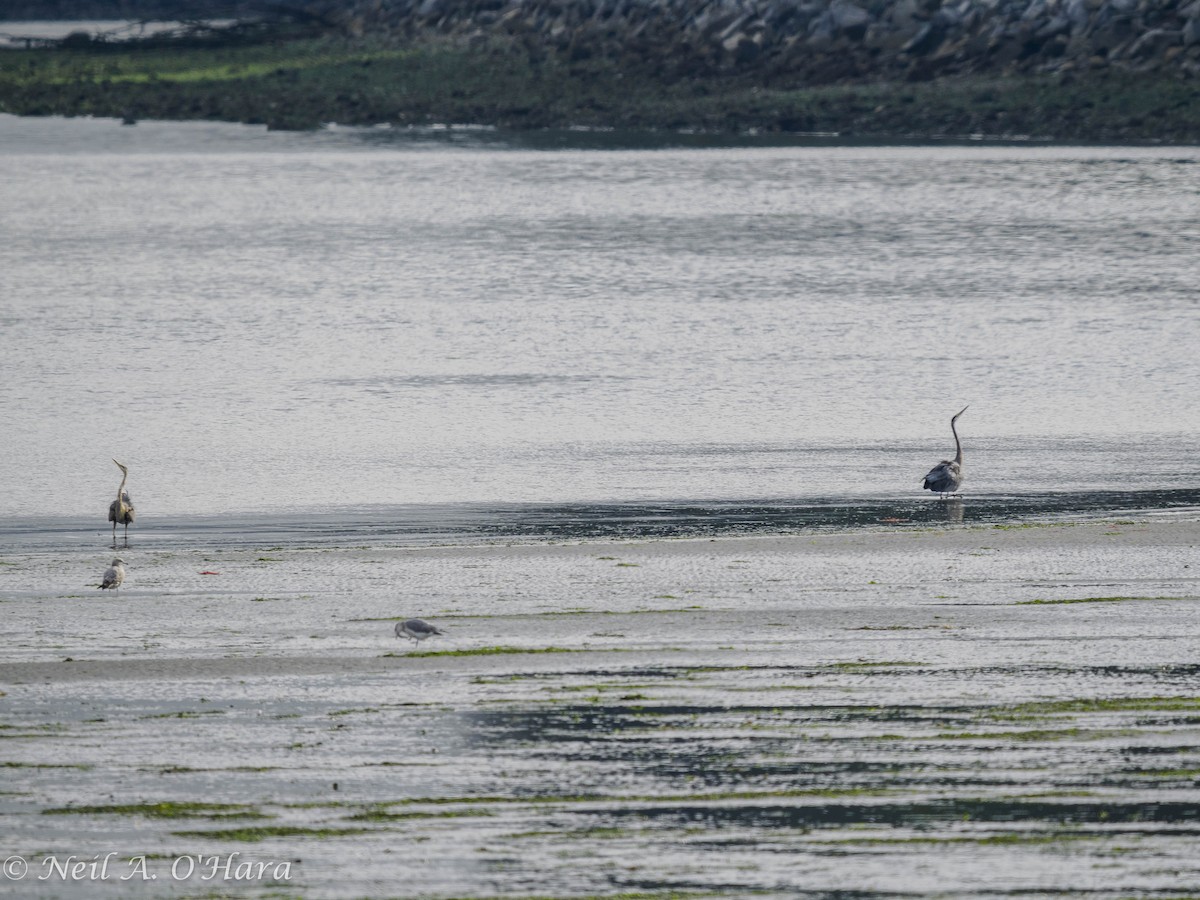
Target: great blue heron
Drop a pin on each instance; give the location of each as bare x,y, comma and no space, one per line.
417,629
947,476
121,509
113,575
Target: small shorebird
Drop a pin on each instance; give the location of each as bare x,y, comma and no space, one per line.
114,575
417,629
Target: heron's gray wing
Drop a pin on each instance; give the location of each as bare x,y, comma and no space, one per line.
941,470
943,477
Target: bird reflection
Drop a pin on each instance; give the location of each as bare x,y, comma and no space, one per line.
952,509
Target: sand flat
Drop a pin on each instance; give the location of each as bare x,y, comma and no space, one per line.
969,711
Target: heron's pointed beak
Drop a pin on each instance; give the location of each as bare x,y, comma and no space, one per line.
121,466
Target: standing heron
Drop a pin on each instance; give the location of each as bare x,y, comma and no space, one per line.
113,575
121,509
947,476
417,629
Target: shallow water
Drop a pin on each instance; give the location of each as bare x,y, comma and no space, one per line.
466,524
19,34
268,322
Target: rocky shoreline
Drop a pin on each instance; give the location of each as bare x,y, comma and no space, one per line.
1060,70
821,41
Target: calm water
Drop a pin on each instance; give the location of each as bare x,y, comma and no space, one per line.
343,323
352,340
16,34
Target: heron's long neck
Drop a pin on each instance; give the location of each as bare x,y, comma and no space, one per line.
957,444
121,492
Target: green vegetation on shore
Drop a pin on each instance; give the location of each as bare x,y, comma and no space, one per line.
494,81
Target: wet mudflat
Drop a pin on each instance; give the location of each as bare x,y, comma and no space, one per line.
958,711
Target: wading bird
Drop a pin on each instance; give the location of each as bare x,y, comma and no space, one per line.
417,629
113,575
947,476
121,509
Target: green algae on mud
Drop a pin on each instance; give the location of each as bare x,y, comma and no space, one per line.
1039,735
488,651
167,809
496,81
32,765
1086,705
382,815
1071,710
592,799
186,714
551,613
33,731
671,894
983,840
1060,602
190,770
265,832
867,665
537,790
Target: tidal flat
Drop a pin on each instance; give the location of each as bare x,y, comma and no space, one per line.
959,711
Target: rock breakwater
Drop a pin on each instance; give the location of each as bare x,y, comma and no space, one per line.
820,41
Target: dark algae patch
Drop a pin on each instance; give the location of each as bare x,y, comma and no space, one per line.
1004,811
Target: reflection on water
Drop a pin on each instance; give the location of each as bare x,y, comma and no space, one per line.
954,509
418,525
